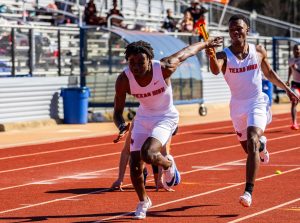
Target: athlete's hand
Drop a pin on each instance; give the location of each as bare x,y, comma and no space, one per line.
210,52
293,97
117,185
215,42
160,185
122,132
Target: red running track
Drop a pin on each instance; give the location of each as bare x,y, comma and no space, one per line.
68,181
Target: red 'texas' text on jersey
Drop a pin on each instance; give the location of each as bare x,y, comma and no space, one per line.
148,94
243,69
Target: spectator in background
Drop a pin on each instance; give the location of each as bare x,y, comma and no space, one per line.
90,15
294,72
187,23
50,10
66,7
52,6
169,22
197,11
115,11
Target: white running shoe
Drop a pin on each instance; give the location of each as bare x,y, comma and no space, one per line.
264,154
142,209
171,176
246,199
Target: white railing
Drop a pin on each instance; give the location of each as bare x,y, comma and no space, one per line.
254,17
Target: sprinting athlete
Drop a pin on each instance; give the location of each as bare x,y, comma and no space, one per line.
242,65
156,119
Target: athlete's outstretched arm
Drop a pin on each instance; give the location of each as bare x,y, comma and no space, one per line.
271,75
169,64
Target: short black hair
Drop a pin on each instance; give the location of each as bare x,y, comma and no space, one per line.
296,46
139,47
239,16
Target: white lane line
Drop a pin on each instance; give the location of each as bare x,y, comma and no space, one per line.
109,133
35,142
216,190
179,156
111,143
51,181
264,211
57,163
96,145
269,165
62,139
45,182
211,168
56,151
56,179
111,154
198,195
236,161
226,147
174,201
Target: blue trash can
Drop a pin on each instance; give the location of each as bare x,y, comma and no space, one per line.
267,87
75,101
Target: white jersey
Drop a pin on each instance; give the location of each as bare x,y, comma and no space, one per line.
156,99
243,77
294,64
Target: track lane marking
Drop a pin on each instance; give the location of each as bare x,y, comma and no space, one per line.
117,153
265,211
57,163
200,194
170,202
178,156
49,181
104,144
111,143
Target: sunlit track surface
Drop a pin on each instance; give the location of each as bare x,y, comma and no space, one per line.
69,181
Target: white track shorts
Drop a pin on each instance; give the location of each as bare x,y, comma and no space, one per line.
252,112
160,128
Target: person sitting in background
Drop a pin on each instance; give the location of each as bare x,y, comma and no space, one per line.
115,12
187,23
90,15
169,22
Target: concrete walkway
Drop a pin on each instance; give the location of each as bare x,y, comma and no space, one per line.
58,132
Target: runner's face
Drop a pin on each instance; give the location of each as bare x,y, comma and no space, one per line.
238,31
138,64
297,51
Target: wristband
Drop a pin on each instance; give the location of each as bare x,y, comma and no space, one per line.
122,126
